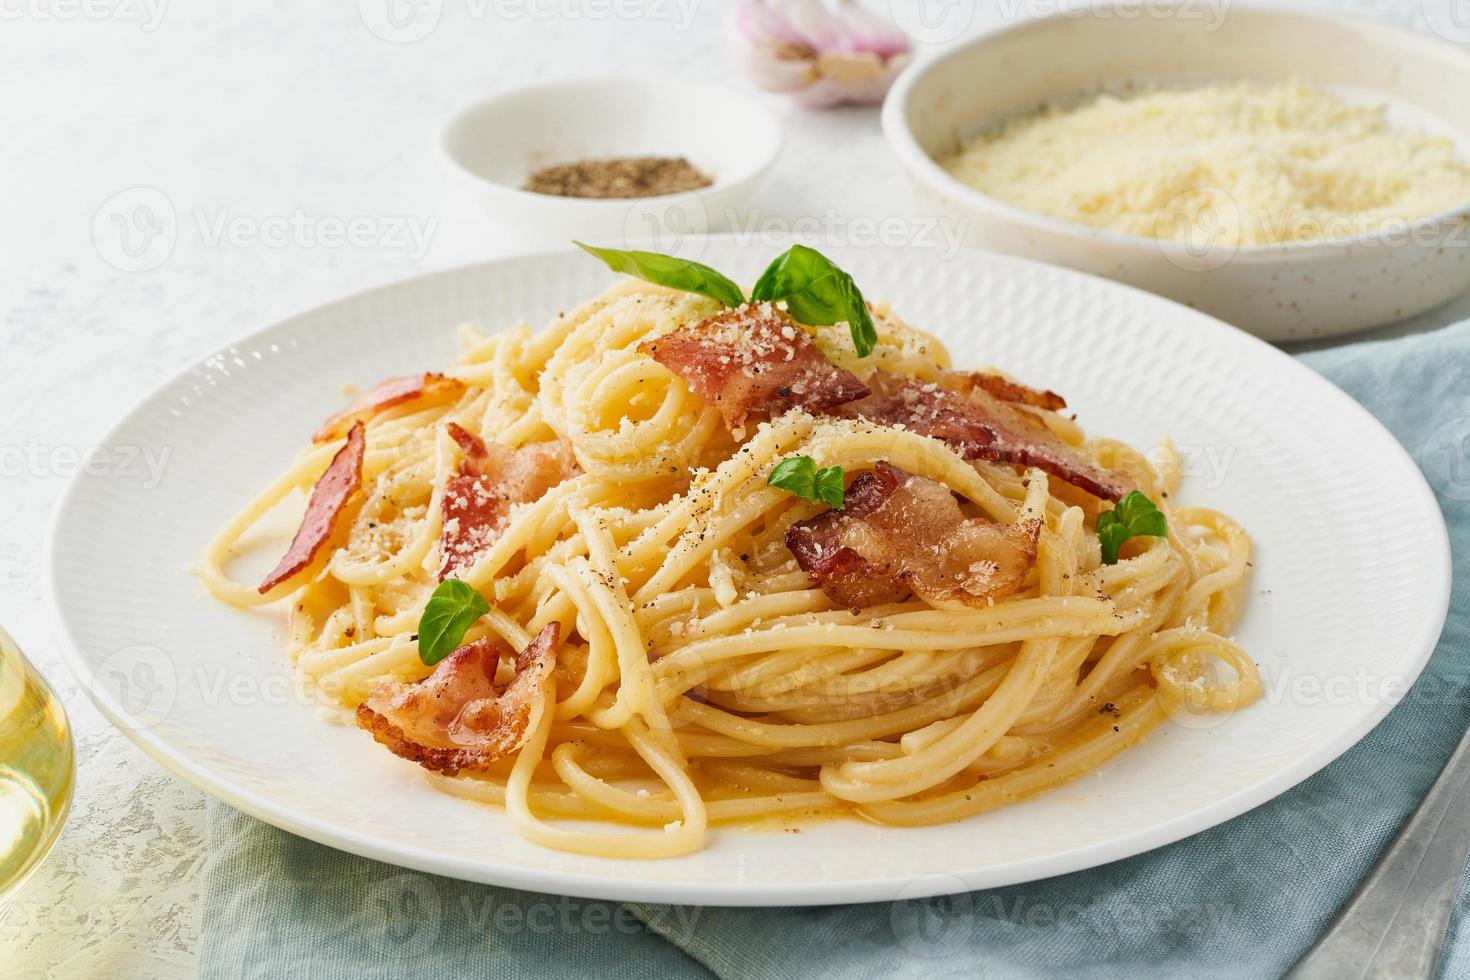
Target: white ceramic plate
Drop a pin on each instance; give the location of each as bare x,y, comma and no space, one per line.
1344,609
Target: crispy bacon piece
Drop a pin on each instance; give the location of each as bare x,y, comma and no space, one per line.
456,718
980,426
1013,391
754,361
490,480
898,533
336,485
386,394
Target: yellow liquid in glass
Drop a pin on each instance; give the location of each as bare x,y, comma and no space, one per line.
36,767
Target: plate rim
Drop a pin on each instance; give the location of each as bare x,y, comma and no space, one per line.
729,893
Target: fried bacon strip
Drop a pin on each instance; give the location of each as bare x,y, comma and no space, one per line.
386,394
490,480
336,485
1012,391
978,425
754,361
457,718
899,532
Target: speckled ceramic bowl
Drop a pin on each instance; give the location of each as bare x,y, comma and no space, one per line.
1279,292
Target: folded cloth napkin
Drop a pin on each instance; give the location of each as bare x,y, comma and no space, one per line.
1242,900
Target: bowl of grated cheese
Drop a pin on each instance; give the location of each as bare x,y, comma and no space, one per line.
1297,176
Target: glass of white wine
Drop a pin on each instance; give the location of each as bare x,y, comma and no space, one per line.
37,767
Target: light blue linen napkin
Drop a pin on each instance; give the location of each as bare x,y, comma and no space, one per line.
1241,900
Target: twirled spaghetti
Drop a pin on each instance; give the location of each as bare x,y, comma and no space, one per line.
701,674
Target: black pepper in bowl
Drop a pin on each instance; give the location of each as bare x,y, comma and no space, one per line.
622,177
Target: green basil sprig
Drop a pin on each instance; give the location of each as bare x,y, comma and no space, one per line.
447,617
667,270
818,293
1134,516
814,290
799,475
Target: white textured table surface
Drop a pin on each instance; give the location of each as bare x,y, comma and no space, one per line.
264,116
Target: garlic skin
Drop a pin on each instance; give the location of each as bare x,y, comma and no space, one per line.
820,52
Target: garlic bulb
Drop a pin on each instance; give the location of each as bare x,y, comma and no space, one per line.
822,52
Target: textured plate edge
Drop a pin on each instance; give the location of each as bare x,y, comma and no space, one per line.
739,894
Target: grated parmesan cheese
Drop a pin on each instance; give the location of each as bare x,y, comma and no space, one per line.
1241,164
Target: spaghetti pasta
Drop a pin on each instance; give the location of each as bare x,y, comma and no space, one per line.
703,676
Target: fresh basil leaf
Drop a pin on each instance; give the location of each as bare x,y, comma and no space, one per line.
830,489
447,616
1131,505
1135,507
817,293
666,270
1152,524
1112,537
1133,516
799,475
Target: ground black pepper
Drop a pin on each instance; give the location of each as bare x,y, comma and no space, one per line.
624,177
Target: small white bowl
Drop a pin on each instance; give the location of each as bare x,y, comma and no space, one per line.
1279,292
497,143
